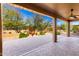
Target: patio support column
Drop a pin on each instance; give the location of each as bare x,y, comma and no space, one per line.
68,29
54,30
0,33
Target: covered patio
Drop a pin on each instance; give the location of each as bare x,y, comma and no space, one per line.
62,45
66,12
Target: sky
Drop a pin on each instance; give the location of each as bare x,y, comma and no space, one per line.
27,14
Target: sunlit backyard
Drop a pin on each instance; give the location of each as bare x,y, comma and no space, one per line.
27,33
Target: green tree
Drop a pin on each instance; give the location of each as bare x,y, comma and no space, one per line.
12,19
37,23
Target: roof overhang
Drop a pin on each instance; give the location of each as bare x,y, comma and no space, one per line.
57,10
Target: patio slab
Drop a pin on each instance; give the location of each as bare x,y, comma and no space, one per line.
42,46
16,47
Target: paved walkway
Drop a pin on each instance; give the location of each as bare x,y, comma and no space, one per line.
41,46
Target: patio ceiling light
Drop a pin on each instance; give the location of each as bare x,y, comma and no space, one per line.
72,16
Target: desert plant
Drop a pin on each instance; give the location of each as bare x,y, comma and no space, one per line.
75,29
42,33
58,33
50,29
23,35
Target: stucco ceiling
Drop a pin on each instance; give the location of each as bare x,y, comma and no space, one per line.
62,9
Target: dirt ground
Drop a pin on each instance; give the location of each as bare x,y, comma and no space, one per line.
9,34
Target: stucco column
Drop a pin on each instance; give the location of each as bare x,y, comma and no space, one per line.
0,33
54,30
68,29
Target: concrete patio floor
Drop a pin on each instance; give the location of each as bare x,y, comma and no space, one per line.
42,46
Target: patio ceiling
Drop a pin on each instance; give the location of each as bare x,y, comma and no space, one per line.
60,10
64,9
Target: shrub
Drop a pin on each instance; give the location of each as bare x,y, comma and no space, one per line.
42,33
50,29
58,33
75,29
23,35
